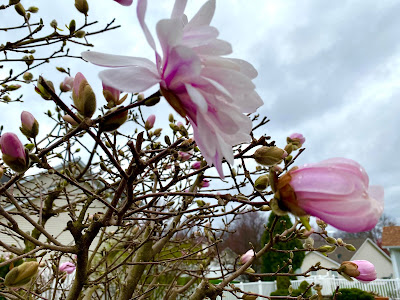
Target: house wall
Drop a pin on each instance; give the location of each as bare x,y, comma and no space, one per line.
382,263
312,258
395,255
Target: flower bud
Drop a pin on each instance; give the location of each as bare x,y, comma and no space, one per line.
196,165
112,96
114,122
54,24
33,9
350,247
150,122
326,249
80,34
269,156
261,182
14,154
20,9
27,76
42,92
83,96
362,270
297,140
1,172
184,156
331,240
308,243
67,84
70,120
68,267
22,274
72,26
30,126
13,2
157,132
204,183
247,256
13,87
82,6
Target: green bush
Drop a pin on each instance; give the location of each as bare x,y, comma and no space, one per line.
302,288
351,294
283,284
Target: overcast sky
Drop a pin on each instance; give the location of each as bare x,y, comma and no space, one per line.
327,69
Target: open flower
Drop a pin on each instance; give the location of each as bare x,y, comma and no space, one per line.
361,270
335,190
68,267
210,91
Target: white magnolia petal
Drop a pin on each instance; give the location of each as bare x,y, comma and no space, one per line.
197,98
169,32
111,60
225,150
215,47
245,67
199,36
203,16
179,8
233,81
130,79
247,102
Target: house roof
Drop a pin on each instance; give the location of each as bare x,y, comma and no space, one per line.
391,236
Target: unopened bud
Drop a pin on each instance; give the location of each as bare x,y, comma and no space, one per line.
30,126
340,242
70,120
27,76
331,240
33,9
157,132
22,274
41,90
171,118
326,249
72,26
82,6
150,122
269,156
83,96
350,247
20,9
54,24
261,182
265,208
114,122
80,34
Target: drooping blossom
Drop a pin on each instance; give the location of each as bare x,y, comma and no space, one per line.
336,190
30,127
124,2
149,124
68,267
361,270
13,152
67,84
247,256
212,92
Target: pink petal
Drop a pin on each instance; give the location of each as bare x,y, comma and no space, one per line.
179,8
199,36
197,98
245,67
129,79
111,60
124,2
169,33
216,47
203,16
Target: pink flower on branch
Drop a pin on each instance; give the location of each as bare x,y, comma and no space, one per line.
14,154
212,92
247,256
361,270
68,267
335,190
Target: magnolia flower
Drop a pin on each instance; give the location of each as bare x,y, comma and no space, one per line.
210,91
184,156
124,2
83,96
14,154
196,165
150,122
247,256
30,127
205,183
361,270
68,267
67,84
112,95
335,190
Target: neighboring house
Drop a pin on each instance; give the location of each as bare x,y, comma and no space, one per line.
68,200
366,250
391,241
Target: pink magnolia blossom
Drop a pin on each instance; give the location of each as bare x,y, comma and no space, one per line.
67,84
68,267
124,2
247,256
298,137
184,156
205,183
212,92
335,190
150,122
196,165
13,152
361,270
27,120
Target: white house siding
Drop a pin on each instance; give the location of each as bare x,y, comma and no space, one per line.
383,264
312,258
